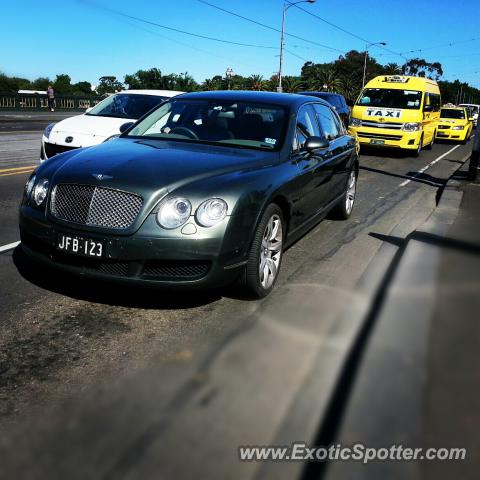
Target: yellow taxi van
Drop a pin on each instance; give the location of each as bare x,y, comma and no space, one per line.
397,111
455,124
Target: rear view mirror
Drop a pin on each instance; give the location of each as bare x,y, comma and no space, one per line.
316,143
428,108
125,127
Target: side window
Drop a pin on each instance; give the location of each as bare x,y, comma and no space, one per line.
327,121
306,126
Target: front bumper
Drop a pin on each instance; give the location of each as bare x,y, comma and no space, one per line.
175,260
49,150
449,134
386,137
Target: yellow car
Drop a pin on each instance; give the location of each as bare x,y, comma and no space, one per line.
454,124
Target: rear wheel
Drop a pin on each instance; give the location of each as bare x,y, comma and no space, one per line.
343,210
265,256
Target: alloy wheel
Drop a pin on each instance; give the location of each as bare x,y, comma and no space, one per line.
351,191
270,251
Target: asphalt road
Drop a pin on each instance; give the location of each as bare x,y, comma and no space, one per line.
60,335
30,121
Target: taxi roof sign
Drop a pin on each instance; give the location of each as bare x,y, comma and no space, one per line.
396,79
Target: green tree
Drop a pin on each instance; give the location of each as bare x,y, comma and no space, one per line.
292,84
41,83
108,84
255,82
62,84
421,68
82,88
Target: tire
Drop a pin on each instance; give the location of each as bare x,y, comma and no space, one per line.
430,145
344,209
265,255
417,152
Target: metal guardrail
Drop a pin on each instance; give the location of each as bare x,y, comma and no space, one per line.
36,102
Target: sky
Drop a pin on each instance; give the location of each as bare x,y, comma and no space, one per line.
87,40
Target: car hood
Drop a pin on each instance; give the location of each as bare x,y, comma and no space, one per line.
87,125
150,168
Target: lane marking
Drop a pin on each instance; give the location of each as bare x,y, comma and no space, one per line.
12,132
426,167
16,173
16,168
9,246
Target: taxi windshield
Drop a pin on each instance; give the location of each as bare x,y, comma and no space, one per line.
390,98
452,113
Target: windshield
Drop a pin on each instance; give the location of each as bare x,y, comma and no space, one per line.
124,105
472,108
390,98
241,124
452,113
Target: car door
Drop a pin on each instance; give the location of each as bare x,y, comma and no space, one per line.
312,192
337,165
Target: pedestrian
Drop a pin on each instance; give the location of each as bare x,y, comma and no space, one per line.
51,98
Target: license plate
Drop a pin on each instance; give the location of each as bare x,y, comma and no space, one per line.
377,142
79,246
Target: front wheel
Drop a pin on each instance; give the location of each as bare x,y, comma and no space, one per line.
416,153
265,256
430,145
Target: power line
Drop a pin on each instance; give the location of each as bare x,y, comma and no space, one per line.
450,44
344,30
197,35
269,27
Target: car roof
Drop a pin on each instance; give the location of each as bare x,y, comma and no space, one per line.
274,98
453,108
322,94
159,93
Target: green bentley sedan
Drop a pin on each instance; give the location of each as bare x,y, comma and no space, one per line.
208,189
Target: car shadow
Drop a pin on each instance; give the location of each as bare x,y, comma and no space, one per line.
109,293
384,152
412,176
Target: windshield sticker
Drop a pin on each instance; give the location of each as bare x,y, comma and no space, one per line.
410,92
383,112
198,121
270,141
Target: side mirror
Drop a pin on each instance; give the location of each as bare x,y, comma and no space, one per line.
125,126
428,108
316,143
88,109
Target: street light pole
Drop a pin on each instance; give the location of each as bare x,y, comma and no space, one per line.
366,56
229,75
286,6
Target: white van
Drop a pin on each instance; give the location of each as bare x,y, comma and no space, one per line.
474,109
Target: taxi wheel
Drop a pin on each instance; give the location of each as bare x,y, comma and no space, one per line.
417,152
430,145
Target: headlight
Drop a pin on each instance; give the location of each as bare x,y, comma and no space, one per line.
355,122
458,127
40,191
48,130
29,186
412,127
174,212
210,212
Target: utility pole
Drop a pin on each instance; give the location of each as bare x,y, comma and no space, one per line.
367,46
286,6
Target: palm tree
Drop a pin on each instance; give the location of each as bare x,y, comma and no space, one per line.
256,82
392,69
327,80
291,84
